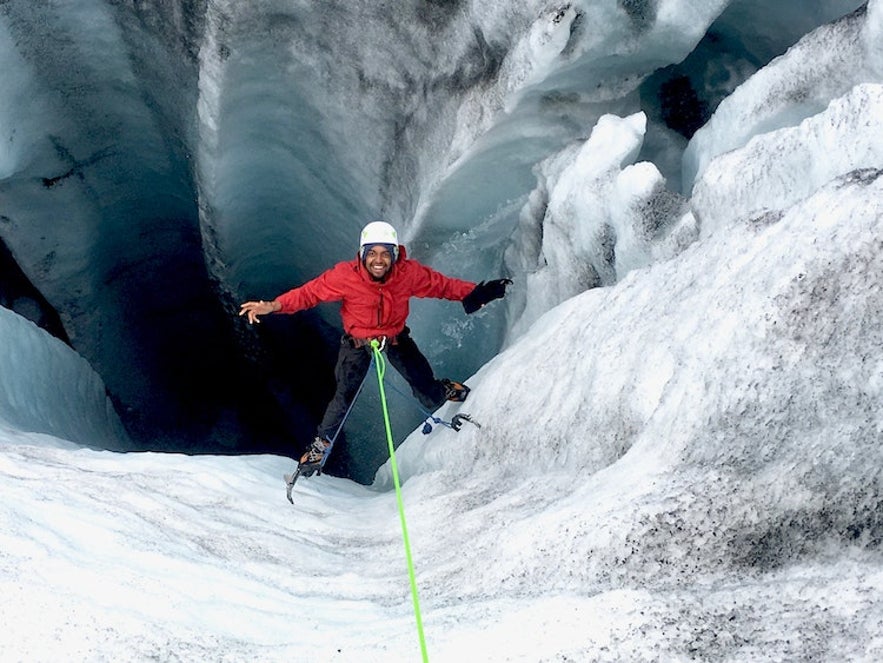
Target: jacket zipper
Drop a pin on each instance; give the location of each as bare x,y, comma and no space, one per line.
380,308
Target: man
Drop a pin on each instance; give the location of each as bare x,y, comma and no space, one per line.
375,289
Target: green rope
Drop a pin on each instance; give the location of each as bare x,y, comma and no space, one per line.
380,364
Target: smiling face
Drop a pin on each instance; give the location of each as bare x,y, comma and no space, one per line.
378,261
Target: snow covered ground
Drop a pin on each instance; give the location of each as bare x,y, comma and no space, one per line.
684,464
661,474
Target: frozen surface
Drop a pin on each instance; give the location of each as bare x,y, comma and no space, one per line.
823,66
595,216
777,169
162,161
679,454
695,475
45,387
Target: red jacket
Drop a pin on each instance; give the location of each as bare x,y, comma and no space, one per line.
374,308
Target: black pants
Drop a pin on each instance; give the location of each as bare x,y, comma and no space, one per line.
352,364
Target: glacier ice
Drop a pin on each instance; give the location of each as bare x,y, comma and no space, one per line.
777,169
162,161
824,65
45,387
680,464
708,487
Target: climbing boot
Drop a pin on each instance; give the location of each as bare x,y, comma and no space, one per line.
311,462
455,391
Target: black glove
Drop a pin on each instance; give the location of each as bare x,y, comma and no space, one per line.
485,292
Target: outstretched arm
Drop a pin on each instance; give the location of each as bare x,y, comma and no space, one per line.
329,286
254,309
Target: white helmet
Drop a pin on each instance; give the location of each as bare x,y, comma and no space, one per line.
379,232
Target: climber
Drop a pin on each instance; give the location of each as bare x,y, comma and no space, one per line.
374,290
